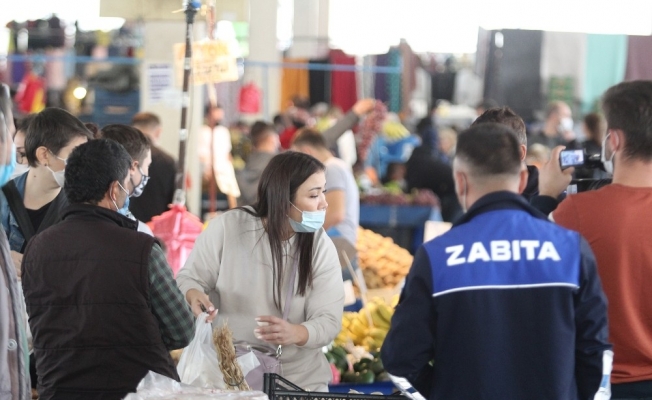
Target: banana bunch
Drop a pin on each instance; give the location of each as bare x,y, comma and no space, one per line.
394,130
356,327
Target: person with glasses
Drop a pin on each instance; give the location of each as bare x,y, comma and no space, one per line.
19,140
102,302
139,148
14,364
33,201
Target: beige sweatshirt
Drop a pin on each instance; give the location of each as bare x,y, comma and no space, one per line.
233,259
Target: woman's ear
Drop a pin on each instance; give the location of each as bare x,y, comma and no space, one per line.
43,155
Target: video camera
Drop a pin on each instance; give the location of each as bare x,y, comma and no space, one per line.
584,163
579,158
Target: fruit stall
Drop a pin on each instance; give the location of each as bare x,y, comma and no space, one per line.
355,353
400,216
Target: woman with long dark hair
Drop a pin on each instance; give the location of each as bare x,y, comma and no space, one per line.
254,259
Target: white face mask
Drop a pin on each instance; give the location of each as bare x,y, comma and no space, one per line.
19,170
59,176
566,124
608,164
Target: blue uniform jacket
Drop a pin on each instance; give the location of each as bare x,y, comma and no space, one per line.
506,305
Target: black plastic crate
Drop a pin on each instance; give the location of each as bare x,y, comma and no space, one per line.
279,388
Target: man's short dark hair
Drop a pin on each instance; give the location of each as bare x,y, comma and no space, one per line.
489,149
92,168
146,119
53,128
505,116
628,107
260,131
310,137
132,139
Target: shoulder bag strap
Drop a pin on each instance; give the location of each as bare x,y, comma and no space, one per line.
17,207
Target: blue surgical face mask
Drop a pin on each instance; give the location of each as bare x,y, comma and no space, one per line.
311,221
8,169
124,210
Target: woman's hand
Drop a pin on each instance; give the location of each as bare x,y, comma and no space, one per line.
197,300
277,331
17,258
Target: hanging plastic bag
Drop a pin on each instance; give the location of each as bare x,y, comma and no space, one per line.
249,99
199,365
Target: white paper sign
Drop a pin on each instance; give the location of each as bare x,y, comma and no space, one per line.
159,80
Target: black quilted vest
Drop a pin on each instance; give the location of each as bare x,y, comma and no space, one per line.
87,293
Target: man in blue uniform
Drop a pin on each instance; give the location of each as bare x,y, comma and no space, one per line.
506,305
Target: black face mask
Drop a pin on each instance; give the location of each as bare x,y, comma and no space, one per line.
298,124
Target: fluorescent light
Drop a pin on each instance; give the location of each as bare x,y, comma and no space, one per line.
79,92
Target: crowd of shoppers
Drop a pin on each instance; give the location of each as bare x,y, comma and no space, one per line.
510,303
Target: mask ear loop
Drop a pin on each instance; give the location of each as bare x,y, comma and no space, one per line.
113,200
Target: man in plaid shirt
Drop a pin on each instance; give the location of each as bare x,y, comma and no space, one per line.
104,308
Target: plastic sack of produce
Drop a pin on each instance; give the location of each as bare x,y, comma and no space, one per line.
199,365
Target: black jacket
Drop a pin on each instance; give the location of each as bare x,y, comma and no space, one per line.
425,171
86,288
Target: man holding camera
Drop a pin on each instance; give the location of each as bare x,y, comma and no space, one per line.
616,222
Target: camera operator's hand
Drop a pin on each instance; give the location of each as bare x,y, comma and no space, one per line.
552,179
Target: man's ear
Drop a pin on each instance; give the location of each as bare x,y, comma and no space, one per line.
616,140
523,152
523,177
461,184
113,191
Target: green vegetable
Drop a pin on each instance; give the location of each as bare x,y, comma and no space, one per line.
377,366
349,376
366,377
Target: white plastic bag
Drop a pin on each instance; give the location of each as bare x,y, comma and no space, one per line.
199,365
158,387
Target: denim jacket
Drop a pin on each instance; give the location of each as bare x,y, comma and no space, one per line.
10,223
